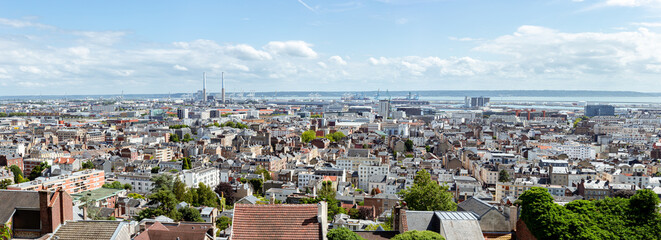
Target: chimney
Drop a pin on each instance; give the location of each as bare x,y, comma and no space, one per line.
204,86
322,217
222,84
45,213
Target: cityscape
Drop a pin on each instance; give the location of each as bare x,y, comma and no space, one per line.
121,128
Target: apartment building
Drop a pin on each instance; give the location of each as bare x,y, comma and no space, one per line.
71,183
160,153
209,176
140,182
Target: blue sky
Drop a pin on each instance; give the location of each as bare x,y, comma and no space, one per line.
94,47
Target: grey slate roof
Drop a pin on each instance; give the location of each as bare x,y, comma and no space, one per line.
475,205
87,230
419,220
10,200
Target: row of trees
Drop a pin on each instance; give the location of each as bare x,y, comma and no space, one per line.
229,124
612,218
310,135
175,138
117,185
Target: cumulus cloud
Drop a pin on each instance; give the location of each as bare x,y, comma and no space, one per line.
291,48
247,52
337,60
180,68
542,50
532,57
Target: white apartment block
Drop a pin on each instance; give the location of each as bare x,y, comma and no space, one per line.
365,171
209,176
351,164
141,182
578,151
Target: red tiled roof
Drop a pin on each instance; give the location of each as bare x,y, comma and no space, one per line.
275,221
181,231
62,160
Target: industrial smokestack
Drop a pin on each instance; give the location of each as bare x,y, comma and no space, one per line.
204,86
222,84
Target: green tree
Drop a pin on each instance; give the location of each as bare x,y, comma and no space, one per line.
428,148
409,145
187,138
503,176
135,196
117,185
88,165
181,191
166,201
174,138
18,174
4,183
261,171
190,214
643,205
155,169
342,234
427,195
162,182
204,196
257,184
178,126
186,163
223,222
610,218
336,136
308,136
418,235
36,171
354,214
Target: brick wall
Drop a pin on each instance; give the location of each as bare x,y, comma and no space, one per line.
522,232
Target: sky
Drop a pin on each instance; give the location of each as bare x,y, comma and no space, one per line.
140,47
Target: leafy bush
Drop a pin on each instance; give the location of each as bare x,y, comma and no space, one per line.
610,218
342,234
418,235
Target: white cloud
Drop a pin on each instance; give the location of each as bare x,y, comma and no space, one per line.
247,52
291,48
532,57
30,69
647,24
180,68
401,21
306,5
633,3
22,24
103,38
337,60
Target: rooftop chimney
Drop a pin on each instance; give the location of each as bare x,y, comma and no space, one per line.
222,84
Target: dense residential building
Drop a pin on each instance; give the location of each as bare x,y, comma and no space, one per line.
76,182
